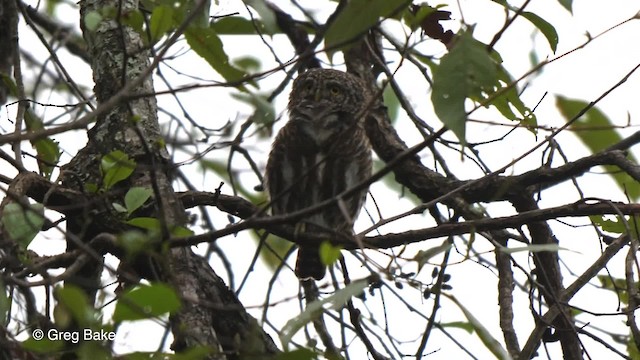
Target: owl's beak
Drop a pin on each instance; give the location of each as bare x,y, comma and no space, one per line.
314,112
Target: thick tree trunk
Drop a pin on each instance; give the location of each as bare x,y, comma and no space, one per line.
211,315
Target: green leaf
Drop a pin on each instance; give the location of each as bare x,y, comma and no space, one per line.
423,256
136,197
632,348
146,302
32,121
44,345
613,226
119,208
9,84
237,25
92,20
206,43
74,302
47,149
48,155
194,352
297,354
147,223
133,18
533,248
5,304
593,127
336,301
161,22
413,19
115,167
93,350
91,188
266,15
459,325
391,102
23,224
466,71
265,113
483,333
617,285
181,231
329,254
355,19
280,247
509,100
543,25
201,19
597,132
135,241
545,28
153,224
567,4
248,63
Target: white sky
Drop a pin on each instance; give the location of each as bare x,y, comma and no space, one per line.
583,75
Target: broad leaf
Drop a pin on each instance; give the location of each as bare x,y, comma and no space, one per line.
533,248
423,256
92,19
23,224
73,301
135,197
135,19
135,241
509,100
617,285
264,111
355,19
115,167
161,22
5,304
48,155
297,354
597,132
543,25
483,333
567,4
44,345
336,301
206,43
147,223
459,325
329,254
545,28
237,25
47,149
391,102
466,71
616,226
266,14
146,302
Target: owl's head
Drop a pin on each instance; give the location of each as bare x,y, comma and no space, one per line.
326,101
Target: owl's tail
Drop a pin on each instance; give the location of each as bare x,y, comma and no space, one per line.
309,264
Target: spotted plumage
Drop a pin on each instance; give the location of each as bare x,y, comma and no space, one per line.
322,151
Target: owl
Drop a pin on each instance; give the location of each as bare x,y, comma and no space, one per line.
321,151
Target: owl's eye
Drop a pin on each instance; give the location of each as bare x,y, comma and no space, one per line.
308,86
335,91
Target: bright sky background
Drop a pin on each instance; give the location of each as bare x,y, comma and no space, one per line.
584,75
